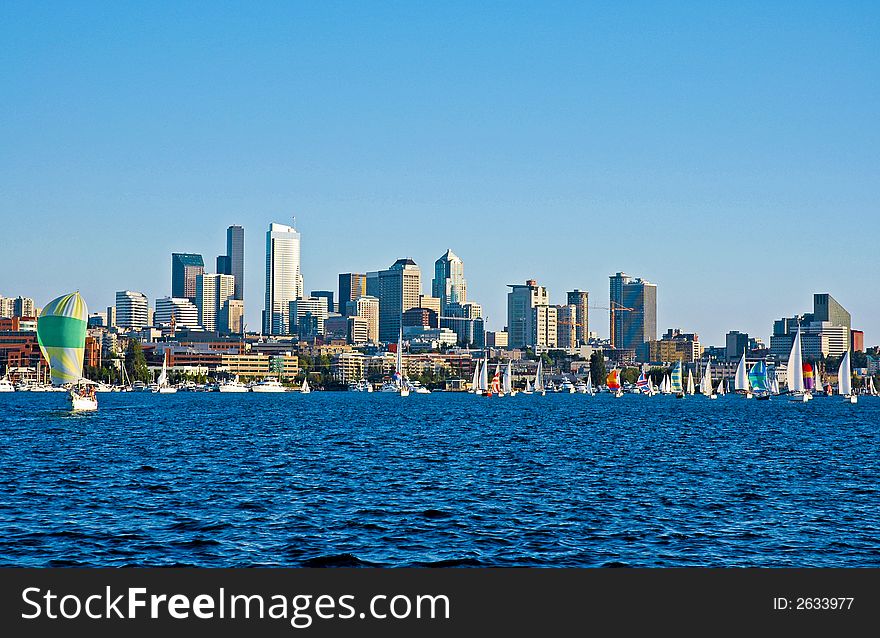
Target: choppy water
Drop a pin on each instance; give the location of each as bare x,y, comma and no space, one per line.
441,479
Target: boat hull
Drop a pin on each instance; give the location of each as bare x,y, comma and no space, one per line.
82,404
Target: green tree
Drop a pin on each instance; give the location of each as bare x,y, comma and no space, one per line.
597,368
136,362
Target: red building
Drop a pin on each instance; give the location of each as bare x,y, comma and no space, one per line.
857,340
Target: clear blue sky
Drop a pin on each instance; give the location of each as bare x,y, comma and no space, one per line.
728,152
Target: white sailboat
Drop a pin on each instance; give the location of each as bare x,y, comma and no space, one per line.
539,379
741,380
796,371
162,385
475,382
400,380
844,379
528,389
304,388
690,386
590,389
722,389
507,380
872,391
706,386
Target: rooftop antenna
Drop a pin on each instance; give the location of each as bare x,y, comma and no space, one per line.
294,222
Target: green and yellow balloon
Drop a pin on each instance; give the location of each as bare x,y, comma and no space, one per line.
61,332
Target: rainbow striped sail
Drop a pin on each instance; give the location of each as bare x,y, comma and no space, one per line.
61,333
613,380
808,377
675,377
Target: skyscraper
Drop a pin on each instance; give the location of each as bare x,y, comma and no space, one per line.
132,310
23,307
351,286
307,316
185,267
212,292
521,316
184,312
449,284
399,290
326,294
284,282
580,299
366,308
235,255
826,308
635,311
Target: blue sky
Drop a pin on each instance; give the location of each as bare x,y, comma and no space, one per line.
728,152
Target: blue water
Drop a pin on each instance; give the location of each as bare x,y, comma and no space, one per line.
441,479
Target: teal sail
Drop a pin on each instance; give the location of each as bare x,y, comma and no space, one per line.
758,377
61,333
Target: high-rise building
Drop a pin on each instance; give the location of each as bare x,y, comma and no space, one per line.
284,282
521,303
449,284
111,316
826,308
566,326
185,267
635,315
132,310
825,331
224,265
307,316
328,295
358,330
23,307
399,290
466,321
212,292
7,307
367,308
580,299
373,287
736,343
857,341
351,286
235,253
545,323
184,312
231,318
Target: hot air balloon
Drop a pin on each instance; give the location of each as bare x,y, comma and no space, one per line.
61,332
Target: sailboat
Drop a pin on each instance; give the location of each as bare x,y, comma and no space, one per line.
796,385
539,379
722,390
741,379
590,389
772,381
507,380
706,386
162,385
871,390
528,389
757,380
496,381
844,379
400,380
651,389
691,390
484,376
475,382
61,333
304,388
675,381
613,383
642,384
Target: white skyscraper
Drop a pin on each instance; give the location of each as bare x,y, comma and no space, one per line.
284,282
184,312
132,309
449,284
212,292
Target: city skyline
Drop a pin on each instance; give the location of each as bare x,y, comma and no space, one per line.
723,158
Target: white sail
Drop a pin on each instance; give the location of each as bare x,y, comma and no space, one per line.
163,377
589,383
844,376
528,386
741,380
398,364
539,377
305,389
872,391
721,387
706,381
484,374
690,386
506,384
475,382
651,390
796,365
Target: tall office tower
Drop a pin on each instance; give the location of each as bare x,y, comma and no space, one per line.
367,308
185,267
735,344
284,281
399,290
235,254
224,266
7,307
580,299
521,303
212,291
184,312
635,315
351,286
23,307
111,316
826,308
328,295
566,326
231,317
545,322
307,316
449,284
132,310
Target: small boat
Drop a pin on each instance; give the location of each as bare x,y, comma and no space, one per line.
61,333
400,383
528,389
6,385
304,388
361,386
475,382
844,379
691,389
581,387
675,386
417,388
613,383
507,380
643,384
232,386
496,382
567,386
539,379
707,388
796,387
162,385
268,384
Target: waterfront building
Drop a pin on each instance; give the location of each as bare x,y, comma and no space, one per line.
23,307
566,326
736,343
635,315
367,308
132,310
284,282
826,308
825,331
521,316
673,346
185,267
449,284
336,326
212,292
399,290
351,286
182,310
580,299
